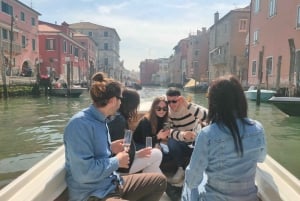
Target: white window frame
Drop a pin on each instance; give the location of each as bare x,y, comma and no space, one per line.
257,6
298,17
269,69
254,70
272,8
255,37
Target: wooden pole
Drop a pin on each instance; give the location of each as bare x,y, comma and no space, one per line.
260,75
3,69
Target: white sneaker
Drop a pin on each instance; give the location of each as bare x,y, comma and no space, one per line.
178,177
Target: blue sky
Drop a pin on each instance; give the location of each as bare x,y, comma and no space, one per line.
148,29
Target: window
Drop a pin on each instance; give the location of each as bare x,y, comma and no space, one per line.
105,34
256,6
269,65
5,34
76,51
23,41
243,25
90,33
71,49
6,8
50,44
272,8
253,67
33,44
255,37
65,46
298,17
33,21
105,46
22,16
106,61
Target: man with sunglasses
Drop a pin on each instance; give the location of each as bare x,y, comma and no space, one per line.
184,116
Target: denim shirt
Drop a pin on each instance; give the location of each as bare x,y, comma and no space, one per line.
89,165
230,177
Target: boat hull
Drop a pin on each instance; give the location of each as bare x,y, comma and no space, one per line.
63,92
265,95
288,105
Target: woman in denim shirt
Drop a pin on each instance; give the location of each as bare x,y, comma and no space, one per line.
227,150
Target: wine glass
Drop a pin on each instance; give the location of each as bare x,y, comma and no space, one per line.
127,140
149,142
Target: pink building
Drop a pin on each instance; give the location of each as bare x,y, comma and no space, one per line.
60,53
21,50
274,56
148,68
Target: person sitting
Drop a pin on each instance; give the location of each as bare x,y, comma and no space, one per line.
145,159
92,158
153,124
228,149
183,116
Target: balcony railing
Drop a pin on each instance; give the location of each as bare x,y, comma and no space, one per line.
16,48
219,59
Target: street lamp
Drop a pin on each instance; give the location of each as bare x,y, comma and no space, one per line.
12,20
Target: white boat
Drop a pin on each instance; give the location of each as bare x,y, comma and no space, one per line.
265,94
45,181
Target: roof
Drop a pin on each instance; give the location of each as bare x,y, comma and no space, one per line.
89,25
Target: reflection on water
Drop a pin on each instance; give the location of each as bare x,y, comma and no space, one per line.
31,128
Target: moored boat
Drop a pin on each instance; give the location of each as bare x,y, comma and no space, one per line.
65,92
288,105
265,94
194,86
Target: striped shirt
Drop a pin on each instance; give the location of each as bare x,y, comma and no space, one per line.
185,118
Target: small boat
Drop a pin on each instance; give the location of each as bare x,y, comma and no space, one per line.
195,86
265,94
65,92
288,105
46,180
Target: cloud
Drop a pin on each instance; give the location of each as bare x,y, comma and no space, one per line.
147,28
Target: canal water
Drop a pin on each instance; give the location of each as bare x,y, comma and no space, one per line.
31,128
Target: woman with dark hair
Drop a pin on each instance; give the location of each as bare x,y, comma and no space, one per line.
92,158
152,124
228,149
145,159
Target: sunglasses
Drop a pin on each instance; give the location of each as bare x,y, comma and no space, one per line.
172,101
161,108
119,97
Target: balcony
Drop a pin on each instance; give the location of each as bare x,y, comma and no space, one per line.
16,48
218,59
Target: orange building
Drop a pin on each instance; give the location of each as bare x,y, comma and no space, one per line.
274,53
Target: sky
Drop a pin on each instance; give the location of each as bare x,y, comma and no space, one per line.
149,29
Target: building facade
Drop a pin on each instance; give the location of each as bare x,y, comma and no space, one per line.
274,53
108,46
18,38
227,45
62,57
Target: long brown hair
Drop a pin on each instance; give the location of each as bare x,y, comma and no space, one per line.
151,115
129,104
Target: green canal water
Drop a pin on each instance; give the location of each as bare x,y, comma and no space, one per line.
31,128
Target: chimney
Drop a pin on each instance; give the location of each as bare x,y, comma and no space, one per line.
216,17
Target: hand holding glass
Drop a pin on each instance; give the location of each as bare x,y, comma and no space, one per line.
149,142
127,140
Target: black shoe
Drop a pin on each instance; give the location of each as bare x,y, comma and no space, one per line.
173,192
